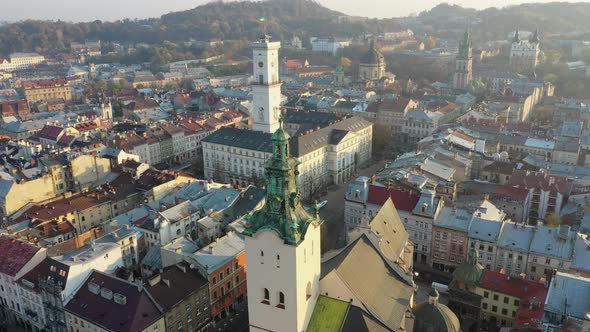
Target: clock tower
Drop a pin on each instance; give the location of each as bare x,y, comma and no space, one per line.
266,87
282,249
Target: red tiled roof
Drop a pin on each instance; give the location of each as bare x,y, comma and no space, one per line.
463,136
541,181
44,84
15,255
294,64
403,200
50,132
531,294
66,140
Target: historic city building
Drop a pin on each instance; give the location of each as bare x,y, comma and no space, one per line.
464,63
525,54
283,249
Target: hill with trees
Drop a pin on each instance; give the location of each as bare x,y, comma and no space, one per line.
215,20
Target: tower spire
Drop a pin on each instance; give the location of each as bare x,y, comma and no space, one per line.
283,211
516,37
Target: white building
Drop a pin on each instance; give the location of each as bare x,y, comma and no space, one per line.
525,54
484,231
20,61
17,259
328,45
328,155
282,251
266,89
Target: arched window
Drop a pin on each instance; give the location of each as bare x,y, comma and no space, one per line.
281,304
266,296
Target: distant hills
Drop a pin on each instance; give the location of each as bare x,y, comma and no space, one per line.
284,18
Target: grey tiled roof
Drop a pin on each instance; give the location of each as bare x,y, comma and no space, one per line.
368,276
300,145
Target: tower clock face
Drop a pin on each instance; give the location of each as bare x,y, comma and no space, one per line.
261,64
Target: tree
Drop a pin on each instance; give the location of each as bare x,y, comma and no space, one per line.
187,84
429,43
477,88
553,220
550,78
345,62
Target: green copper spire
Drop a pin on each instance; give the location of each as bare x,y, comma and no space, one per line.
282,212
465,48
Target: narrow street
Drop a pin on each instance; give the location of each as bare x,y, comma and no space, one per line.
332,214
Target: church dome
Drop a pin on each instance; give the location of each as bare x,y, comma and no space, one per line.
433,316
372,57
470,272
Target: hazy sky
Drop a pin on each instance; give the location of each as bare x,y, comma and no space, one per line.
89,10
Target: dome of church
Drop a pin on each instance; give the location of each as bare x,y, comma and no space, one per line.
372,57
433,316
470,272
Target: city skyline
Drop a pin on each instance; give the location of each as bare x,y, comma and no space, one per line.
71,10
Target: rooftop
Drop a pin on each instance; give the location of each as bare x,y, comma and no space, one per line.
15,255
328,315
403,200
113,304
174,285
217,253
553,242
516,237
569,294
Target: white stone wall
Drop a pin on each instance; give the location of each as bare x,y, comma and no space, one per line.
280,267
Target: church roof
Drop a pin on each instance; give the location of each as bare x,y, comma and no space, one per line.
434,316
372,281
470,272
372,57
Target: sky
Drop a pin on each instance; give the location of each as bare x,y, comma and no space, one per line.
107,10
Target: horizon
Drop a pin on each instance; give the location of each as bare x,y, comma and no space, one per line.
81,11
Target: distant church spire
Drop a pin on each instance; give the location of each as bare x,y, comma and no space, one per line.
535,37
516,37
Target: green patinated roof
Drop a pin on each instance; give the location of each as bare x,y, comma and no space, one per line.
470,272
328,315
282,212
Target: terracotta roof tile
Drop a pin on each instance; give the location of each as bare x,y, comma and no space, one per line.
403,200
15,255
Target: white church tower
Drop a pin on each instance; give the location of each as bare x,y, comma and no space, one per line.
266,88
282,250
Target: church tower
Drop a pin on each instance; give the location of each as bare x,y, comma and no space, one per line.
282,250
266,88
464,63
105,108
